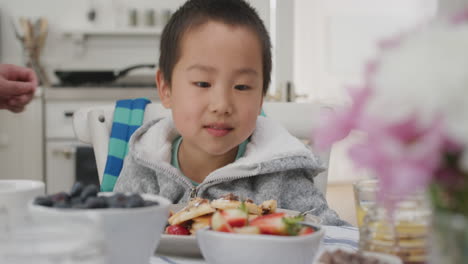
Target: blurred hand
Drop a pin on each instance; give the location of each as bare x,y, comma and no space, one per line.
17,87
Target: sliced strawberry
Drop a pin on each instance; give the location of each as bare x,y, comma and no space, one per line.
177,230
219,223
271,224
235,217
305,230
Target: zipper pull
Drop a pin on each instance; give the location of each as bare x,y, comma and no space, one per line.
193,192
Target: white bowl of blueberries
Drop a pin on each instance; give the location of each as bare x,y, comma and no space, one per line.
132,224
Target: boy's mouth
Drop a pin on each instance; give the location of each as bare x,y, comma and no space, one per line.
218,130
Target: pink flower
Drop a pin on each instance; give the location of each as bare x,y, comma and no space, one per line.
337,125
370,69
393,42
403,156
460,17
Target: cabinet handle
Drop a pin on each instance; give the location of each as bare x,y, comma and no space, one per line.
65,152
68,113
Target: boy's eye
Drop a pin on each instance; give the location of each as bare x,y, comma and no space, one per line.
242,87
202,84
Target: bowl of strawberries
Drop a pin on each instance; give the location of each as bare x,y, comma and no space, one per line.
272,238
187,219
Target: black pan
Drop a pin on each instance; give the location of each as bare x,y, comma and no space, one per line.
81,77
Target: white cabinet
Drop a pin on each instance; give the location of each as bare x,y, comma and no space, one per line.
60,164
61,143
21,143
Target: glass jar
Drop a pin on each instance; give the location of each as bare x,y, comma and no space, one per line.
365,196
449,238
53,241
404,234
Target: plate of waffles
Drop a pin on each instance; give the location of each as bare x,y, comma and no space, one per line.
197,214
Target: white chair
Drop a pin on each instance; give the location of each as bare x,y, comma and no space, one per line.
93,125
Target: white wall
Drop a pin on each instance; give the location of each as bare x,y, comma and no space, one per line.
334,38
283,46
450,6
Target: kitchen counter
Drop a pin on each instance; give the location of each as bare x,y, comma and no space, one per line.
98,93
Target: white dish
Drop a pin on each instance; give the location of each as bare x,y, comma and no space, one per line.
246,248
14,198
187,246
130,234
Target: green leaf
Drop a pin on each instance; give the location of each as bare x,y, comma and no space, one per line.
292,224
243,207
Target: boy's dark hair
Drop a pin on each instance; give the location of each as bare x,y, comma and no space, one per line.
197,12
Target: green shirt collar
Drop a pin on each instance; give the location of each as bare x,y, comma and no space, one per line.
175,153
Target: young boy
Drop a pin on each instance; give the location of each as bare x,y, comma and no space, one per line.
214,70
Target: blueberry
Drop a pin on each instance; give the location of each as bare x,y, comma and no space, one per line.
62,204
85,197
135,200
76,189
76,202
44,201
89,191
60,197
118,200
150,203
96,202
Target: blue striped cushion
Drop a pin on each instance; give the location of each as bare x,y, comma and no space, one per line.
128,117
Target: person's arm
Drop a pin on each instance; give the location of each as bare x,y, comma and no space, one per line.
17,87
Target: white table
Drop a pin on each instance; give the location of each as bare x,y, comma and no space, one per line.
335,237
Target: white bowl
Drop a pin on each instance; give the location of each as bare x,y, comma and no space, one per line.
131,234
187,246
228,248
14,197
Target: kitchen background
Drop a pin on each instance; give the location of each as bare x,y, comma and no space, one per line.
319,46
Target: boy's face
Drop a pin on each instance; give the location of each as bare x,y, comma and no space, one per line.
216,92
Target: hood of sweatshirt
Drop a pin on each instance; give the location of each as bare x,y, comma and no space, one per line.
271,149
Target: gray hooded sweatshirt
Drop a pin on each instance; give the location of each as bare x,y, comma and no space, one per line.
275,165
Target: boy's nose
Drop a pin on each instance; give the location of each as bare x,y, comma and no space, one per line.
221,102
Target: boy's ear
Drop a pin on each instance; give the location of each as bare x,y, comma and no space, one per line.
164,89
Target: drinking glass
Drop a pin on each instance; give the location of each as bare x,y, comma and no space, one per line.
403,233
365,191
